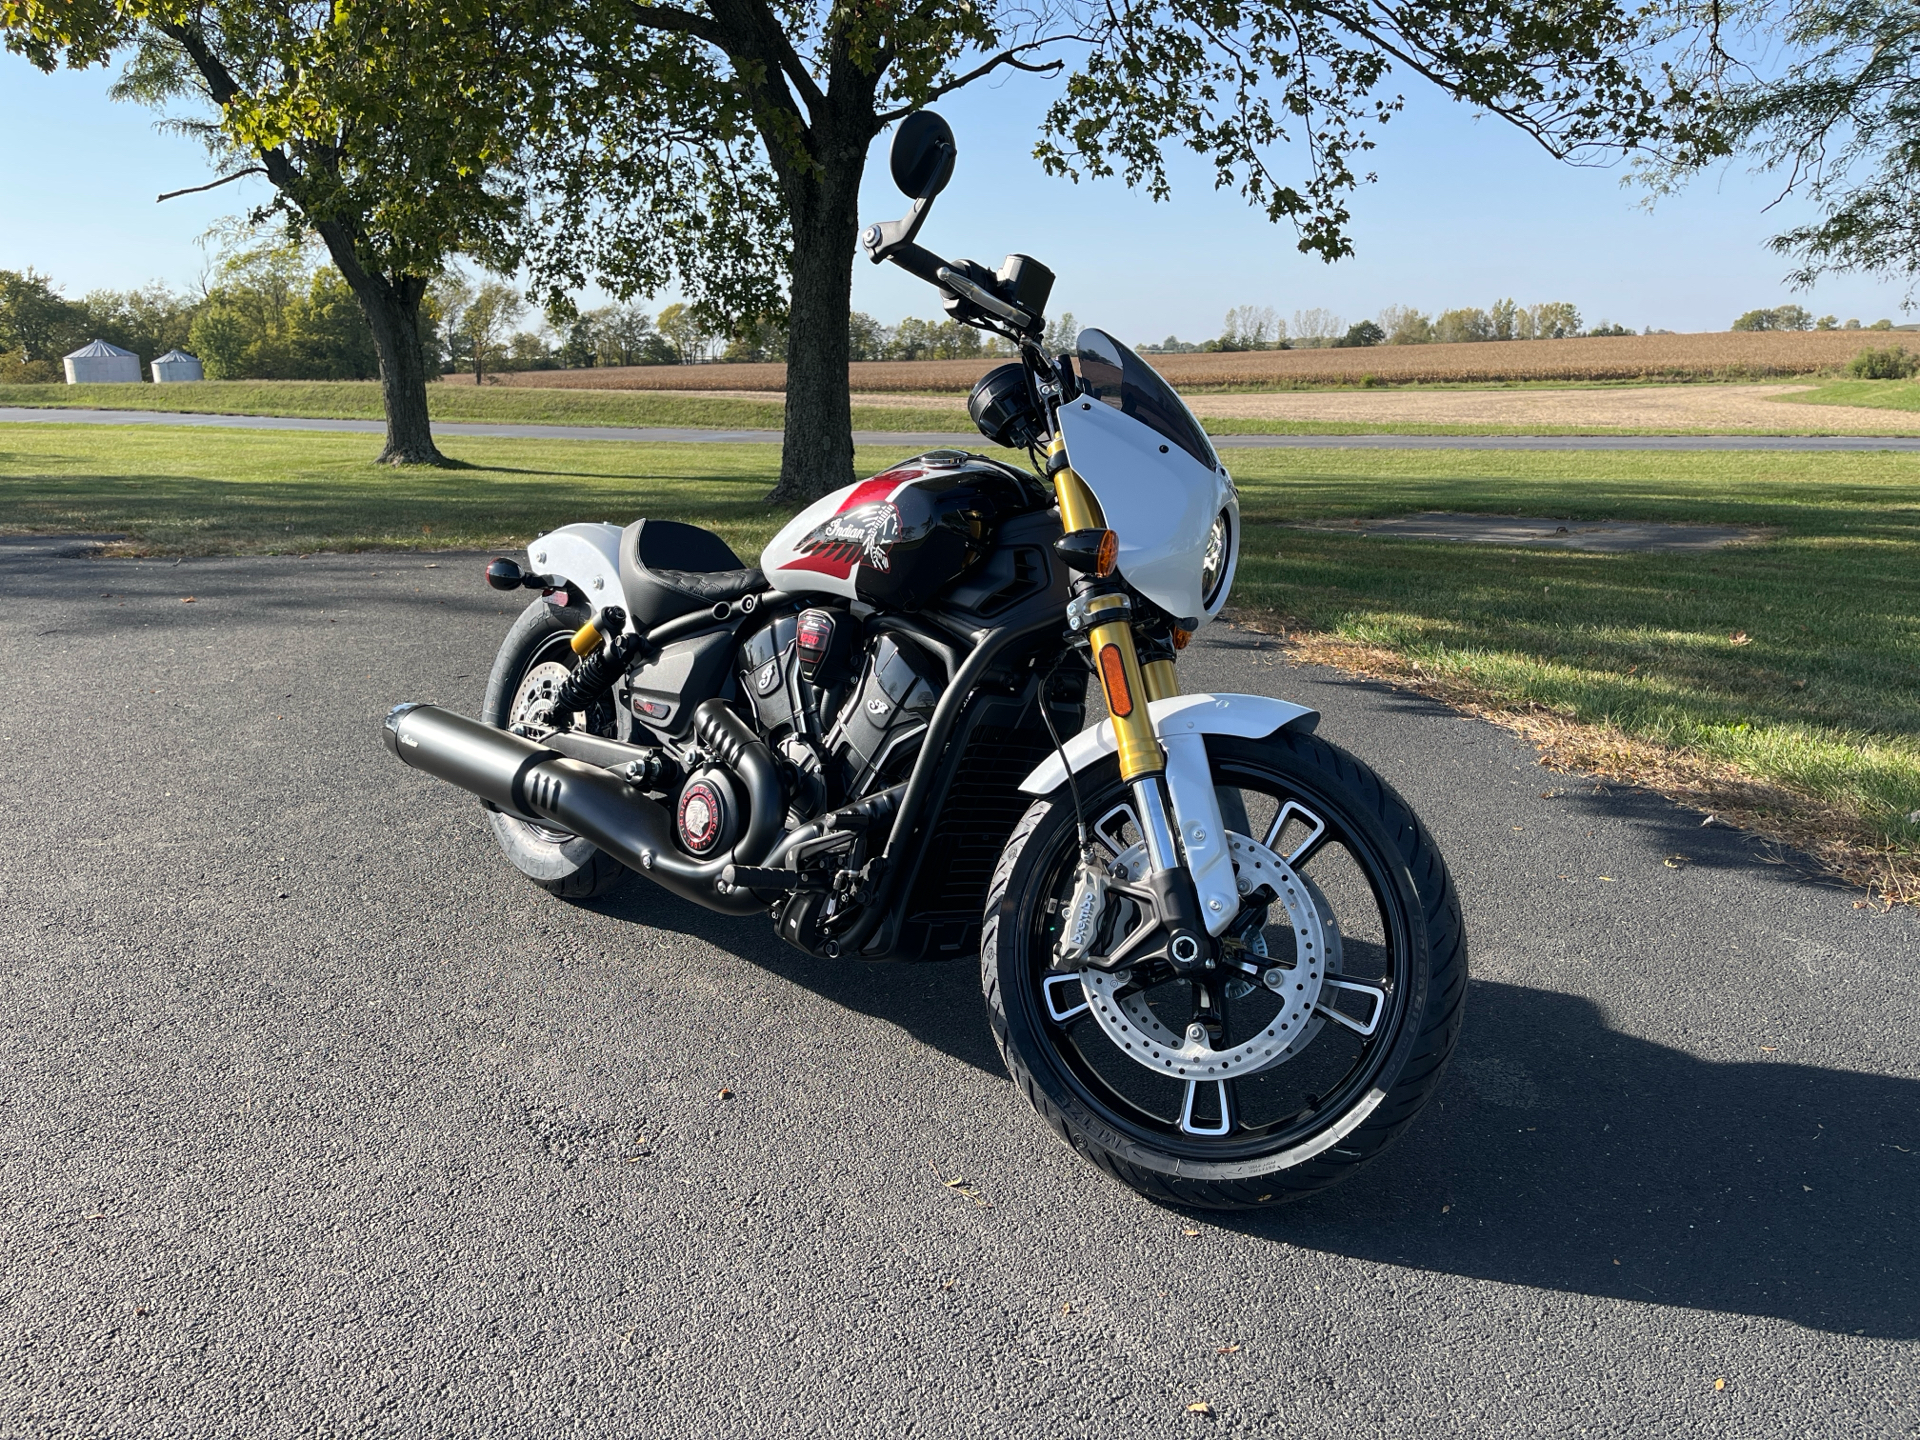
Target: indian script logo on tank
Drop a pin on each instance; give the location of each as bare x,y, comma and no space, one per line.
864,536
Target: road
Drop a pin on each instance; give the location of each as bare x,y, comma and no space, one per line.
317,1120
683,435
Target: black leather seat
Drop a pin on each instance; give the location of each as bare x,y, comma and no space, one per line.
669,569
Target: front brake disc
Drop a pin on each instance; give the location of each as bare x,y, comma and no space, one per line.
1129,1022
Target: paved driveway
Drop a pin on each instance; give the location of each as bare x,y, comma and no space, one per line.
317,1120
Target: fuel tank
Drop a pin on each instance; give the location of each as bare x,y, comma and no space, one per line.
897,540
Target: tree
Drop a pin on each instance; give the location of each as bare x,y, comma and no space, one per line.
689,332
719,144
1554,320
485,324
381,125
1821,93
1779,317
37,325
1456,326
149,321
1361,336
867,338
1405,325
1316,328
1253,327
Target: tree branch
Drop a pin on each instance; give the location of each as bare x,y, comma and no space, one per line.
212,185
1009,58
679,22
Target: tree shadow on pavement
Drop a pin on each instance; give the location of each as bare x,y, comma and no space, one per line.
1568,1156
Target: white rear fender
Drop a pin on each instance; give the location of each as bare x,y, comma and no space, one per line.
1183,723
587,554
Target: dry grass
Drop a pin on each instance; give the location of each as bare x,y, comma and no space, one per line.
1715,355
1839,843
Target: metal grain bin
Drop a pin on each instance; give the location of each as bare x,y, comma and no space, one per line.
176,366
103,364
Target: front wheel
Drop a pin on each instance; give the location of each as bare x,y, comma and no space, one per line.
1324,1027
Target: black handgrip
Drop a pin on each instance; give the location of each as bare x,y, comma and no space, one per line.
920,261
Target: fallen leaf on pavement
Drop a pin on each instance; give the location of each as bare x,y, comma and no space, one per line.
1720,1384
1674,862
1769,1048
726,1095
186,600
1229,1350
1199,1407
1189,1232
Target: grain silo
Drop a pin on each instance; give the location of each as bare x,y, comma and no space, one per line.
175,366
103,364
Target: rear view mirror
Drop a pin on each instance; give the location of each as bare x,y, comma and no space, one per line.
923,155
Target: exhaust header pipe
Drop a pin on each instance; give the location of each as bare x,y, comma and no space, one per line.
535,783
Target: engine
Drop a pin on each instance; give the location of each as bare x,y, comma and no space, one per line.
845,704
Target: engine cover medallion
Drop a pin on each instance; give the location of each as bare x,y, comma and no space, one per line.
706,814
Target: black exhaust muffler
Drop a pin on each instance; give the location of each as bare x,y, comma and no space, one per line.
535,783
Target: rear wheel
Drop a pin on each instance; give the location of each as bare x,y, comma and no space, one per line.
1324,1028
533,662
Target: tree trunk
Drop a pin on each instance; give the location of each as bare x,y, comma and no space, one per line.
817,454
392,308
395,319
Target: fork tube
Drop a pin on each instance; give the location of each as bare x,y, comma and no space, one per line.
1115,660
1162,683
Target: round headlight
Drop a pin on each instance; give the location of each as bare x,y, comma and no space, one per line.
1213,567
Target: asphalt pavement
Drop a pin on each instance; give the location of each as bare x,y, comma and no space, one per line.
316,1119
688,435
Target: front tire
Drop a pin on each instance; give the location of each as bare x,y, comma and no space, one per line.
1391,943
533,658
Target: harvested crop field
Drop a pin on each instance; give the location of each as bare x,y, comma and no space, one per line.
1534,410
1714,355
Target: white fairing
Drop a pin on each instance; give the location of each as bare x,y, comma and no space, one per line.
1162,506
588,554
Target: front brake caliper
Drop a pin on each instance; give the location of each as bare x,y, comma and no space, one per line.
1080,920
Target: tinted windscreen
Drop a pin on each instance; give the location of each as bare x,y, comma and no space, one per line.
1111,372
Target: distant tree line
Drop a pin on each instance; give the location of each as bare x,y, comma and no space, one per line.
1798,317
38,325
281,313
1260,327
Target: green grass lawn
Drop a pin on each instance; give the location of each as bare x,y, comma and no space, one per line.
1875,394
360,400
1823,697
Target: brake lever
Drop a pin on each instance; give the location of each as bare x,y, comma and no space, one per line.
985,299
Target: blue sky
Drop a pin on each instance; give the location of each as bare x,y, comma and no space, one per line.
1465,211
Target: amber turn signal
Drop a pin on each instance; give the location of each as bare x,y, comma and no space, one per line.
1093,552
1181,637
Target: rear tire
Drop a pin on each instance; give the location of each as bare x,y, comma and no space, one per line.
558,862
1354,1095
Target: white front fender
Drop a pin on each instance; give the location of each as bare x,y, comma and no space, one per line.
1183,722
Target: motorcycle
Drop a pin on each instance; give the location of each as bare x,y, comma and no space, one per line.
1221,957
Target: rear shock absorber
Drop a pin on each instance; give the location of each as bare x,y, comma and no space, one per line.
604,655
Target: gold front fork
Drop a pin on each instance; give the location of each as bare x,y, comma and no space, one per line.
1116,661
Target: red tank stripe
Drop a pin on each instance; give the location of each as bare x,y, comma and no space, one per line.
878,488
823,562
